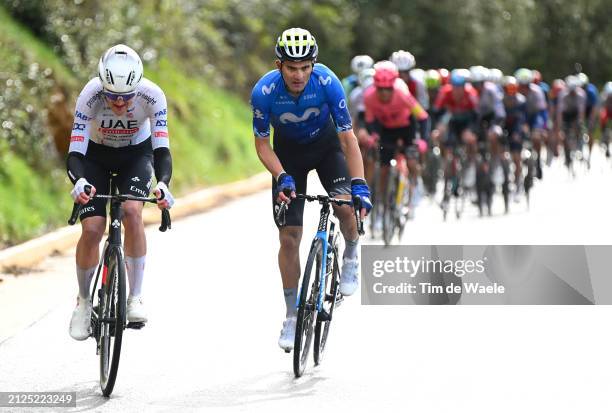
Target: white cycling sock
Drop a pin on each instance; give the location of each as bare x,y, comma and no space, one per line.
352,249
290,299
135,273
84,277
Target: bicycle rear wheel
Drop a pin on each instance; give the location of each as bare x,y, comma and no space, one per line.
330,297
307,308
112,320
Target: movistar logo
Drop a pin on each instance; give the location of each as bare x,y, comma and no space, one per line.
293,118
325,81
266,90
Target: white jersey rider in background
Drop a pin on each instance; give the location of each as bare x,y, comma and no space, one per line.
120,128
537,112
496,77
357,111
414,78
358,64
490,110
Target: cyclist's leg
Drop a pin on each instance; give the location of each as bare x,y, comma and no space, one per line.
335,178
539,130
292,158
469,139
515,144
386,153
135,178
334,175
93,224
590,122
494,135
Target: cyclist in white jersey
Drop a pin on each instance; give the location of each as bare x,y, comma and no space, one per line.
120,128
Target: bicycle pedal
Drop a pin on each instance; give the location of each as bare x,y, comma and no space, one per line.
136,325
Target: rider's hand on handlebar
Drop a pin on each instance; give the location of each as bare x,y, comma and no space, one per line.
373,140
285,185
165,200
360,190
78,192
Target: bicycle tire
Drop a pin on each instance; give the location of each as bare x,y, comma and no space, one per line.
307,309
389,213
373,216
528,180
332,283
111,333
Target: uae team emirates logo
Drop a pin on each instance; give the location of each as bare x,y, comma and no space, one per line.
118,127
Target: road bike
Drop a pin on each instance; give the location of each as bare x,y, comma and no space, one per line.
108,318
319,290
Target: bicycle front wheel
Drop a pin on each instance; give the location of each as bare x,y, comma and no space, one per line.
112,320
330,297
389,209
307,308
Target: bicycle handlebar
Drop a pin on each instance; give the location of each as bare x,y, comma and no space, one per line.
166,222
322,199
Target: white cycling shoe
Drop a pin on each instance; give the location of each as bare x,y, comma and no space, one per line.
135,310
349,277
80,323
287,336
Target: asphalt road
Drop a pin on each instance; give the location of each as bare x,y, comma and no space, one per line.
215,305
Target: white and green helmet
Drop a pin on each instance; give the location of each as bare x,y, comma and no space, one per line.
296,44
523,76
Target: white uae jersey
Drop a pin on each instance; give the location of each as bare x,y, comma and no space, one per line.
94,120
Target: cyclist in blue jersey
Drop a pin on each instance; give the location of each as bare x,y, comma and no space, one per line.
305,103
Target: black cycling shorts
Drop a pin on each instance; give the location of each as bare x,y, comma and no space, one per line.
456,125
132,164
389,138
324,155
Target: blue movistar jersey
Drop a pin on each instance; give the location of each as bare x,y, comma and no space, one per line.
302,118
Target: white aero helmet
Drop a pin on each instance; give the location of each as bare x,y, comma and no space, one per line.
403,60
366,77
572,82
479,74
120,69
296,44
361,62
418,75
495,76
607,90
584,79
